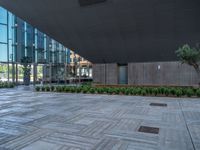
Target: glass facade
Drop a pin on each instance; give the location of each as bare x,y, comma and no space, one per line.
18,39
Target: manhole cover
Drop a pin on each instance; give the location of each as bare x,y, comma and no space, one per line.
146,129
158,104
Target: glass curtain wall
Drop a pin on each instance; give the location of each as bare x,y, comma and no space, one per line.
18,39
50,60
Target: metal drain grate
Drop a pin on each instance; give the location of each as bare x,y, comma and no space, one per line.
146,129
158,104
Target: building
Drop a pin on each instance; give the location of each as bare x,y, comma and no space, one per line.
128,41
18,39
81,66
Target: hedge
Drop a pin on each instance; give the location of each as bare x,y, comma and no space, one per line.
7,85
137,91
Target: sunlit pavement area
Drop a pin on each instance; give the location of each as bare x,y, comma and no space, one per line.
57,121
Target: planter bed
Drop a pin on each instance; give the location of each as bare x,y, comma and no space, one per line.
134,91
6,85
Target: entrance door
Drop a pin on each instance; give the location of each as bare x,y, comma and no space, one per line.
123,74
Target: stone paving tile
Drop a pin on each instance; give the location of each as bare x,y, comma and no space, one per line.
58,121
41,145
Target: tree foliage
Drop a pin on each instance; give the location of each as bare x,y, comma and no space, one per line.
189,55
25,61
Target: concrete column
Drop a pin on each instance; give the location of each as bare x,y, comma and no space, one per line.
111,73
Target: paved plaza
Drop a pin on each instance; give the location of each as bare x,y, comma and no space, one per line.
57,121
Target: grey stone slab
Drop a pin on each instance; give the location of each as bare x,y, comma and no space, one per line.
73,141
41,145
61,121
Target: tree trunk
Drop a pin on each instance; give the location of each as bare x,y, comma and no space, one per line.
27,76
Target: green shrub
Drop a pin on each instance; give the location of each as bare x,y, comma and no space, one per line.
63,88
47,88
116,91
143,92
100,90
110,91
194,90
43,88
178,92
84,90
10,85
58,89
148,90
184,91
67,89
189,92
92,90
52,88
172,91
78,90
127,92
133,91
123,90
72,90
139,91
37,88
155,91
7,85
161,90
198,92
167,91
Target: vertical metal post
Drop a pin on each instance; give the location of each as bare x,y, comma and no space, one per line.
15,49
8,69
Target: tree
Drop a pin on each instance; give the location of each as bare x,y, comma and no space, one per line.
190,56
25,61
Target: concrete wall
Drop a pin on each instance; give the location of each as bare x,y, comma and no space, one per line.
170,73
105,73
155,73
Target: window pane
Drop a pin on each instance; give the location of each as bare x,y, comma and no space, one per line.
3,52
3,15
3,33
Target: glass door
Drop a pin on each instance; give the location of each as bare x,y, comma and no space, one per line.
123,74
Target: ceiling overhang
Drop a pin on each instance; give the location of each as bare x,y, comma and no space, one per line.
121,31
